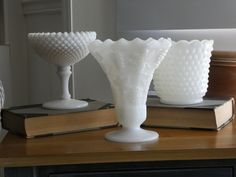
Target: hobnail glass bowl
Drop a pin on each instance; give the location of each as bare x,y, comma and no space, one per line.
62,50
182,77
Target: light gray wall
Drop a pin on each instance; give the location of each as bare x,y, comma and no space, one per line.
43,81
99,16
224,39
175,14
42,16
2,30
182,19
15,38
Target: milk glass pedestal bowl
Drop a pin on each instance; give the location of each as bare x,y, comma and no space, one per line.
182,77
62,50
129,66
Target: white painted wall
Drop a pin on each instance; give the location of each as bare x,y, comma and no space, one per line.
171,14
223,38
182,19
99,16
42,16
43,82
15,31
2,30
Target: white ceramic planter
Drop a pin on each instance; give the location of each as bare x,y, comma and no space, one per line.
63,50
182,77
129,66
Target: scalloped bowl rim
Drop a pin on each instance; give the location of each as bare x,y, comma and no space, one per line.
210,41
96,44
133,40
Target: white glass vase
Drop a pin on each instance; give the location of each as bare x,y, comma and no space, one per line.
182,77
129,66
63,50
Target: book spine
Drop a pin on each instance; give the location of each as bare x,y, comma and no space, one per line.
13,123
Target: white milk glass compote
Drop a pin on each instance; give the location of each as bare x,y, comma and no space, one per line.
129,66
62,50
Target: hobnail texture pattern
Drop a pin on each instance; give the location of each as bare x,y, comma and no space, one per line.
129,66
182,77
2,95
62,49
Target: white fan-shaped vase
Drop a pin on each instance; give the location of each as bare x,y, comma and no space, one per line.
62,50
129,66
182,77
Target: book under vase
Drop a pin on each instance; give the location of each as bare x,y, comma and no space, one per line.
210,114
32,121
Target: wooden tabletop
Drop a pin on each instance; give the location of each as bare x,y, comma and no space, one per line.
91,147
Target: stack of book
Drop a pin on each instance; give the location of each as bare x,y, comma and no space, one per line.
34,121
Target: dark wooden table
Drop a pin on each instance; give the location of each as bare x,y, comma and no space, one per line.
178,152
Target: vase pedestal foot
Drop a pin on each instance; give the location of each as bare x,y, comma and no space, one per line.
65,104
132,135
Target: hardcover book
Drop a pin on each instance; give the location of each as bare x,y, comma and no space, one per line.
33,120
212,113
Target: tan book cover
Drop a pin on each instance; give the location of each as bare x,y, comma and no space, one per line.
212,113
33,120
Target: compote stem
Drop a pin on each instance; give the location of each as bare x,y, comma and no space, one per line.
65,101
64,73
